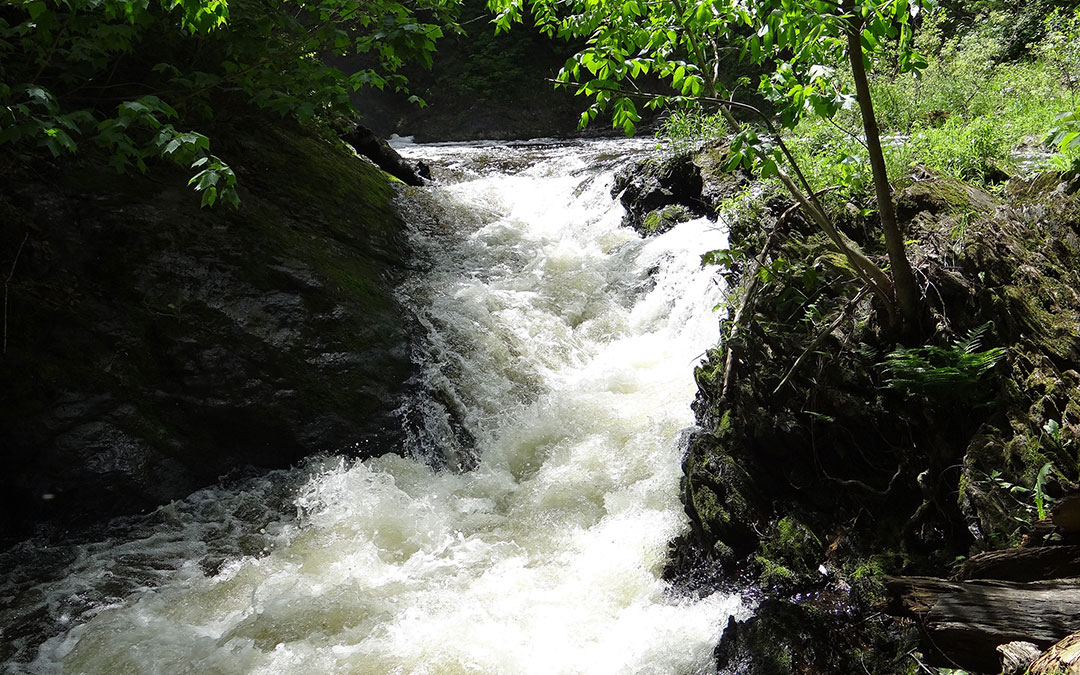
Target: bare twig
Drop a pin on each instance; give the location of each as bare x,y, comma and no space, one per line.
796,206
821,338
872,490
854,136
11,274
751,290
920,663
736,320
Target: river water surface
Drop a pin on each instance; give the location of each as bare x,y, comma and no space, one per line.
527,529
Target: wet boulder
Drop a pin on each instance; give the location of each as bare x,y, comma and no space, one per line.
153,346
660,192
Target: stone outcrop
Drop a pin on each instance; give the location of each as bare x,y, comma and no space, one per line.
152,346
814,484
659,193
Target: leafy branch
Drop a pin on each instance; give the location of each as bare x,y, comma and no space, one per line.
65,66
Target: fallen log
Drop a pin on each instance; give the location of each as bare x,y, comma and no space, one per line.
1024,564
366,143
964,622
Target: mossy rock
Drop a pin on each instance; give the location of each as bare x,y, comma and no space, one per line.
942,195
809,637
715,490
647,190
663,219
914,479
154,346
793,546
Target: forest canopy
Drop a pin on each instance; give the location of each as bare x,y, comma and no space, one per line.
141,80
136,78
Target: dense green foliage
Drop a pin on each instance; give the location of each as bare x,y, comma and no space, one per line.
948,374
688,45
122,75
970,113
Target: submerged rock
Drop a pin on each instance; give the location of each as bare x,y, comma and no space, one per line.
152,346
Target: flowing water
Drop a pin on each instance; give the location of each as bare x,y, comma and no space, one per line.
526,531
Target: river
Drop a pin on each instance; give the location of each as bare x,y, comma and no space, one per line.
527,527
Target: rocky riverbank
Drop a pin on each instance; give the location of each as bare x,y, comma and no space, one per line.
151,346
832,454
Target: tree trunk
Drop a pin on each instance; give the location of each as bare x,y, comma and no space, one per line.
877,280
907,293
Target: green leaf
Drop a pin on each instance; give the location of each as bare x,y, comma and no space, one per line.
769,169
35,9
870,41
231,198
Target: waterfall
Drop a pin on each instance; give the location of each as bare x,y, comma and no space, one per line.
527,526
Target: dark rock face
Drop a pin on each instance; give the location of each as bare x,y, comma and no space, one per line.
153,346
817,489
480,86
660,193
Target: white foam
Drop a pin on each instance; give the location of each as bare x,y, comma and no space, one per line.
545,558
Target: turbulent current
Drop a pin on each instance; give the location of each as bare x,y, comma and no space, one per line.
527,527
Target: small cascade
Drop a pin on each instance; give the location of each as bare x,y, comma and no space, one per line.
527,527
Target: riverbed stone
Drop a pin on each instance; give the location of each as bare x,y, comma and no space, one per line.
660,192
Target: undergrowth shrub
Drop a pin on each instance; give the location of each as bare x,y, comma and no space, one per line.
952,373
967,150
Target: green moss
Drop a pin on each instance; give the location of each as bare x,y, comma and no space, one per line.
713,513
725,422
944,196
867,578
774,575
723,553
661,220
793,546
710,372
793,536
869,570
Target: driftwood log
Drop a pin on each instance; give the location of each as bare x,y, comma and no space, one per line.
1017,656
366,143
964,622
